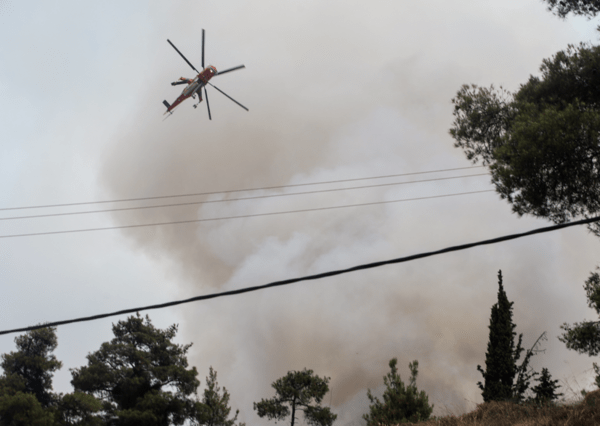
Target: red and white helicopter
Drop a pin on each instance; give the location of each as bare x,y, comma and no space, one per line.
196,84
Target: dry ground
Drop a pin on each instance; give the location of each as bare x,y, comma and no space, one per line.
583,412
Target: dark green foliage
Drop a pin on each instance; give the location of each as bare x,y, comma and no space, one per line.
545,390
597,371
542,142
78,409
542,145
501,355
400,404
505,386
140,376
523,375
584,337
215,407
297,389
26,396
562,8
23,409
31,367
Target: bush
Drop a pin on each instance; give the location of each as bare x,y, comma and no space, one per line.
400,404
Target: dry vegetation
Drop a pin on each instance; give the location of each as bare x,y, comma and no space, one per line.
582,412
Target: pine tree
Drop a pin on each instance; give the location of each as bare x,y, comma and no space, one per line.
544,391
215,407
562,8
23,409
141,377
31,367
584,337
297,389
540,143
400,404
80,409
501,355
26,396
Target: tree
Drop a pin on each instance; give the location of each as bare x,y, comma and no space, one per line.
140,376
523,375
31,367
23,409
79,409
215,407
297,389
562,8
585,337
542,142
26,396
399,405
544,391
501,355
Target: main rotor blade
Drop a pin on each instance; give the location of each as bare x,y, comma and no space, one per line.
184,58
207,106
231,69
228,96
202,48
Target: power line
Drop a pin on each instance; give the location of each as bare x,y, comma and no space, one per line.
233,190
236,199
238,217
310,277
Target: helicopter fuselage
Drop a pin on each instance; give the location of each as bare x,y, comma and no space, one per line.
194,86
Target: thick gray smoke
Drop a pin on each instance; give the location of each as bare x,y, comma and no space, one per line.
341,90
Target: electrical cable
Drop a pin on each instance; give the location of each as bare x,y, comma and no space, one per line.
235,199
309,277
232,190
239,217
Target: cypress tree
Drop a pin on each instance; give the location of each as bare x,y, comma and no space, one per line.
501,355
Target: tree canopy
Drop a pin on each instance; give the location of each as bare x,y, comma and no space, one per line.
297,390
562,8
140,376
23,409
400,404
26,396
31,367
541,143
584,337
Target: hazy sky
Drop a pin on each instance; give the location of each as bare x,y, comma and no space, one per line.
336,90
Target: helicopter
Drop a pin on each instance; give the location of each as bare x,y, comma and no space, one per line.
196,84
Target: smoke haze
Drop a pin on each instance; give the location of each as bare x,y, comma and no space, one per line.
341,90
